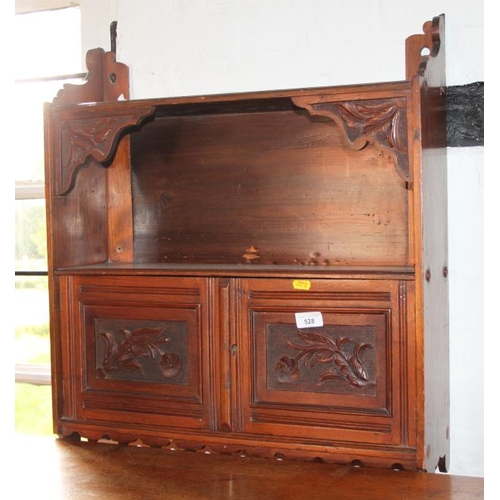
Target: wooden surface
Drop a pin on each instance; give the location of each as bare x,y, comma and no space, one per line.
50,468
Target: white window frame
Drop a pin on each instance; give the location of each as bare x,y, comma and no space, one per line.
36,374
28,6
32,374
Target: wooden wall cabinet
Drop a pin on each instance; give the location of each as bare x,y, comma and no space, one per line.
186,233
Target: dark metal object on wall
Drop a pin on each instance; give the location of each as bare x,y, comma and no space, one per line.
465,115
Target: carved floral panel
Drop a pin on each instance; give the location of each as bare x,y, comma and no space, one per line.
141,350
336,359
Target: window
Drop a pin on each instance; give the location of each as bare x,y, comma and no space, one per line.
47,55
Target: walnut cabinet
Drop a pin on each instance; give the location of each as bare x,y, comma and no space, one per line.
254,274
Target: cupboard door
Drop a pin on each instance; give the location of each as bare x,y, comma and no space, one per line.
341,374
137,351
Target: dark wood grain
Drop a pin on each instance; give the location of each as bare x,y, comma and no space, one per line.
207,188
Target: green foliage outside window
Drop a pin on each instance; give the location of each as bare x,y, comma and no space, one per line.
33,410
31,236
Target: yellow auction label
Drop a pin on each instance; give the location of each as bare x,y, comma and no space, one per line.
301,284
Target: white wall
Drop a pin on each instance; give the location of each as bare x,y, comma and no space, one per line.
186,47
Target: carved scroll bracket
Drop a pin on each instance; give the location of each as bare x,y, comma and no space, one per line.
95,136
381,122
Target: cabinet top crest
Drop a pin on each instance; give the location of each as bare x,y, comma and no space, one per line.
108,80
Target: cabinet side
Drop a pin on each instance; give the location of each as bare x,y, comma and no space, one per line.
431,240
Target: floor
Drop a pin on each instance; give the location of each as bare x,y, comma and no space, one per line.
53,469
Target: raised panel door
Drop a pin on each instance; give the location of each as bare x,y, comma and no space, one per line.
347,381
138,352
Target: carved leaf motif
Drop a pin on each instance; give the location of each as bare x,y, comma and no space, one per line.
356,362
378,120
86,137
92,136
116,358
346,361
143,342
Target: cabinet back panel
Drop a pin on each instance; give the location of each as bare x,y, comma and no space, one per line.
274,187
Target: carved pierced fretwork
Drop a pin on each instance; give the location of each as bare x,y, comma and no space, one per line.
381,122
431,39
143,353
92,137
343,357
